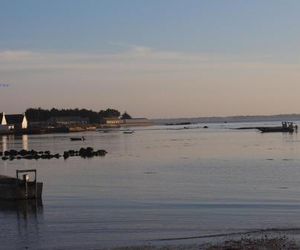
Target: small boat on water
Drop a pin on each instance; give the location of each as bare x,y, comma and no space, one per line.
276,129
77,138
20,188
128,132
287,127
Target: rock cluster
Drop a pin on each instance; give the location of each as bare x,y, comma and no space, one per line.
36,155
84,153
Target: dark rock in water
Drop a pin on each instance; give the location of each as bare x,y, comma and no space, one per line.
33,152
28,157
13,152
85,152
57,156
23,152
89,149
36,157
71,152
89,152
101,152
205,127
66,155
82,151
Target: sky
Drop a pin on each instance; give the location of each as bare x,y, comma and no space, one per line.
155,59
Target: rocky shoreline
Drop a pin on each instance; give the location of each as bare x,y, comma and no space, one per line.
264,242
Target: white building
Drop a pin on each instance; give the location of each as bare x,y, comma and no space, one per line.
15,121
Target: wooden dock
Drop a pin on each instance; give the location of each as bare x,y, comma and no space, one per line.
20,188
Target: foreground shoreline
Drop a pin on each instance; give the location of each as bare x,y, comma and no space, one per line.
260,239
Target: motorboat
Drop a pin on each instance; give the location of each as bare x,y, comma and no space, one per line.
77,138
287,127
128,132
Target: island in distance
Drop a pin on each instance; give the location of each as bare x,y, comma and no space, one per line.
42,121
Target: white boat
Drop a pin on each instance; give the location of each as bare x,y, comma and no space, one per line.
128,132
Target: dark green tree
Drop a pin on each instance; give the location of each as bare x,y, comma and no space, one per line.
109,113
43,115
125,115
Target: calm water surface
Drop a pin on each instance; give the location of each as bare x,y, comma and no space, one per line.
160,182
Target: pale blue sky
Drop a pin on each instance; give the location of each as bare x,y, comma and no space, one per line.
217,57
227,26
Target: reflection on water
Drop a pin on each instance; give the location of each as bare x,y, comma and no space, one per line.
21,221
25,142
4,143
23,208
17,142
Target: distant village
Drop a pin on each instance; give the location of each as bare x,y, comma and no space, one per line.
39,121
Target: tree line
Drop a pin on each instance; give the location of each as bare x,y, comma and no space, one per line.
43,115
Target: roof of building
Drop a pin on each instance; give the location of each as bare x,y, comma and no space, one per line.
14,119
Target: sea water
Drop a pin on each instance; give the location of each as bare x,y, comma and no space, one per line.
161,182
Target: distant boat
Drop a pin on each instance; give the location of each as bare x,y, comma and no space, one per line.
77,138
275,129
287,127
178,123
128,132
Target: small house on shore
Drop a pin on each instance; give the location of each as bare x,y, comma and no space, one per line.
2,119
110,122
115,121
3,124
14,121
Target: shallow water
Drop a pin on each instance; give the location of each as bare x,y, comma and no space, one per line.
158,183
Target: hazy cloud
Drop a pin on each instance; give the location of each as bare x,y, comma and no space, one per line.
142,58
149,82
